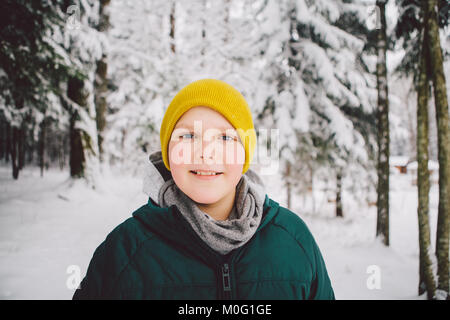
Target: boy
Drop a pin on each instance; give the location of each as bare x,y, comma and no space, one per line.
208,231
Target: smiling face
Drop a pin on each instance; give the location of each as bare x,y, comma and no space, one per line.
204,141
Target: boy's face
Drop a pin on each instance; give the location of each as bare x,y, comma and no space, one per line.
204,140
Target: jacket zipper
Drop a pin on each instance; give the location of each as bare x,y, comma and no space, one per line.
226,281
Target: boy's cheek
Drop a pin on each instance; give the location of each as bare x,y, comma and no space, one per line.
234,173
179,154
234,161
234,155
178,173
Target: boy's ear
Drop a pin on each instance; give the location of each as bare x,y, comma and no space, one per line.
156,159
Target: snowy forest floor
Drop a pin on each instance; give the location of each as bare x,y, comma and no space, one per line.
48,224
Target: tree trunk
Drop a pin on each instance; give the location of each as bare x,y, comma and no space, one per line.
288,184
77,159
426,276
41,150
2,138
226,37
339,212
14,151
21,146
7,141
311,169
101,89
383,131
203,44
172,27
441,103
30,146
101,81
62,154
104,16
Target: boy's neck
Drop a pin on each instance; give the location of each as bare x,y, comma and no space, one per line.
221,209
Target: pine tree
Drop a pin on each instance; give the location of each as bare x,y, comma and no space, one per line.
143,75
32,68
313,90
85,46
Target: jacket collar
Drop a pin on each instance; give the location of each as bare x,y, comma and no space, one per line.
169,224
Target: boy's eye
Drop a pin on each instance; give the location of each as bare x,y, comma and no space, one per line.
228,138
191,136
187,136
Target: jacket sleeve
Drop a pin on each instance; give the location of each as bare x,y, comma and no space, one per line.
321,288
93,283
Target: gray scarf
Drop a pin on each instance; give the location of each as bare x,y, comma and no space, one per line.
221,236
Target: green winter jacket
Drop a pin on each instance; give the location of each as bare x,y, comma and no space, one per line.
155,254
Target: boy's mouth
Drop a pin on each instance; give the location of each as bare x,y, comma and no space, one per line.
205,173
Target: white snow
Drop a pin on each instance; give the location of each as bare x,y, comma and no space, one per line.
48,224
51,226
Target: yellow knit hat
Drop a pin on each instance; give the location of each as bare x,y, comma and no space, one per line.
219,96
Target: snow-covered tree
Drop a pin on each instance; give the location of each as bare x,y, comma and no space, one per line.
85,46
321,93
296,62
139,57
32,67
157,48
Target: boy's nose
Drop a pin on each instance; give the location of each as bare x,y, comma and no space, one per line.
206,150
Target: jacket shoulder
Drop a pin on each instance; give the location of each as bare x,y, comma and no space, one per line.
291,223
125,239
110,258
129,235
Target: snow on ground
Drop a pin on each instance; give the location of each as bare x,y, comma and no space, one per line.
49,224
353,255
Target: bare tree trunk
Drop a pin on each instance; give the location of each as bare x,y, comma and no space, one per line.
77,159
441,103
41,150
8,141
29,149
172,27
426,276
62,151
101,81
101,89
226,37
2,138
311,185
21,146
203,44
339,212
383,131
288,184
14,151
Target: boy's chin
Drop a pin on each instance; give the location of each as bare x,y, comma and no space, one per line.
204,199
